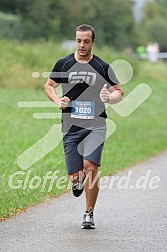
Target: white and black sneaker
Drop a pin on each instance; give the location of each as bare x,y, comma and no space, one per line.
77,187
88,221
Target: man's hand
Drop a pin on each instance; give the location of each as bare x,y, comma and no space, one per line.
104,94
63,102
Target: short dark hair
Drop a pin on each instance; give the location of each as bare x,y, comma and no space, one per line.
86,27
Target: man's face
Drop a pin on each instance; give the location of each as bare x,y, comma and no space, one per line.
84,43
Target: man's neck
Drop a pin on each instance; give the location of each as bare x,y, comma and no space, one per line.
83,59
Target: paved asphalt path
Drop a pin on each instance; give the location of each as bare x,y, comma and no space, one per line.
126,219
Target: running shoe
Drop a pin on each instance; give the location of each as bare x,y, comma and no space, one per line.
77,187
88,221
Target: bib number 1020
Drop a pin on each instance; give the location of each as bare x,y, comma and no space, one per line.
83,110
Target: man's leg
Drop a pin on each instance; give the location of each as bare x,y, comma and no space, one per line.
91,190
93,147
91,184
75,177
77,180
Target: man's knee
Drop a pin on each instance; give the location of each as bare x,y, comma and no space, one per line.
91,170
90,166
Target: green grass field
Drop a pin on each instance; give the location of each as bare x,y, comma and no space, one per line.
137,137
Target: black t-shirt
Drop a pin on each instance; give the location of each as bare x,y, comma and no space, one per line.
82,82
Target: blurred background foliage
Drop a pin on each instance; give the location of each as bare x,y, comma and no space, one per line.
56,20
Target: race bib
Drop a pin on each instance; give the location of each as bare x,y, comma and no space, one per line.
83,109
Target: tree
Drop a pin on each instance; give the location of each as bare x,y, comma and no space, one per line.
154,22
13,6
115,22
112,19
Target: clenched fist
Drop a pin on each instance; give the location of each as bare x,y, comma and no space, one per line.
63,102
104,94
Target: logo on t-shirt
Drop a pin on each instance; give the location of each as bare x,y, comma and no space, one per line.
82,76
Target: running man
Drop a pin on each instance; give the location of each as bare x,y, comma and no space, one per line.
87,83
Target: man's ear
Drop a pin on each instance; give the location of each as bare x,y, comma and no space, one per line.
93,42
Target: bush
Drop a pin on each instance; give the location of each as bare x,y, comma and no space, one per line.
10,26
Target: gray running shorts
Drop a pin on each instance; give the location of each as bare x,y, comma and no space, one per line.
86,143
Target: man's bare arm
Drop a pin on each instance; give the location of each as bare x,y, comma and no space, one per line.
111,95
50,89
115,94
